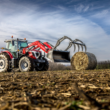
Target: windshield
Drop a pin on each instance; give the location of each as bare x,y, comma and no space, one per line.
22,44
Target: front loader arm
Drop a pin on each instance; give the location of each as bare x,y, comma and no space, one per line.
50,46
35,45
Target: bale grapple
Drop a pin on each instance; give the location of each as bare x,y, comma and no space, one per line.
64,56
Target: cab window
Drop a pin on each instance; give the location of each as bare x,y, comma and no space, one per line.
22,44
11,47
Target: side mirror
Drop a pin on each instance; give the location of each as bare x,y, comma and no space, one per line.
12,42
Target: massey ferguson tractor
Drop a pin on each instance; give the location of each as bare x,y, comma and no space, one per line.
28,56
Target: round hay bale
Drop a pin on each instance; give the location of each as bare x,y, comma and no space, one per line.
83,61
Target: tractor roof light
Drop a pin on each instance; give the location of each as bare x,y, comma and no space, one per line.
24,38
2,48
11,36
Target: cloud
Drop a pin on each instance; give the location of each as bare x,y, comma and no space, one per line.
103,15
81,8
61,8
33,23
86,8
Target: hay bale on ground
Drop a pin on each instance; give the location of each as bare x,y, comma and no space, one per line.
83,61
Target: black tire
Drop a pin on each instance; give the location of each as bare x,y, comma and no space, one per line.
42,66
4,62
25,64
46,66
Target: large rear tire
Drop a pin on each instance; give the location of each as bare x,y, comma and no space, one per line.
25,64
4,62
42,66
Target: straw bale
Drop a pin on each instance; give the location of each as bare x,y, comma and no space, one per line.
83,61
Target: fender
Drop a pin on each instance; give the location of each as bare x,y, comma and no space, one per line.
9,53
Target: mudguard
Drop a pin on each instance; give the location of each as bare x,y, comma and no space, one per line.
9,53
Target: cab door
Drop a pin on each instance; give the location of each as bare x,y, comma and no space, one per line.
12,48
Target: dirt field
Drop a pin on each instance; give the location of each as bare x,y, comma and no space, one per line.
55,90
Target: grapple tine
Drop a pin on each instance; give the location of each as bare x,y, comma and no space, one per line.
74,42
74,47
82,47
78,47
85,48
60,40
78,41
70,44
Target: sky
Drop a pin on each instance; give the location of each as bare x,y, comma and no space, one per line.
49,20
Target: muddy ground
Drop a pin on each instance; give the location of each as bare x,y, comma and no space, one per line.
55,90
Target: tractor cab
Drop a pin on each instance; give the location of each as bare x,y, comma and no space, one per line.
14,45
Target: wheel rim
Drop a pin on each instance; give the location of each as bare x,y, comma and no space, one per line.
24,65
2,64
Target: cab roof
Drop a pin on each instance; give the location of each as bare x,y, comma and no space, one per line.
9,40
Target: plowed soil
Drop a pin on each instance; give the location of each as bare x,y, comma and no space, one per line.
55,90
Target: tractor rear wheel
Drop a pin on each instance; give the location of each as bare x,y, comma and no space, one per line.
25,64
4,62
42,66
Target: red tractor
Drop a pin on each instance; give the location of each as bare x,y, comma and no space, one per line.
27,56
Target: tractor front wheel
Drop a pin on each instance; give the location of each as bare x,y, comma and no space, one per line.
42,66
4,62
25,64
